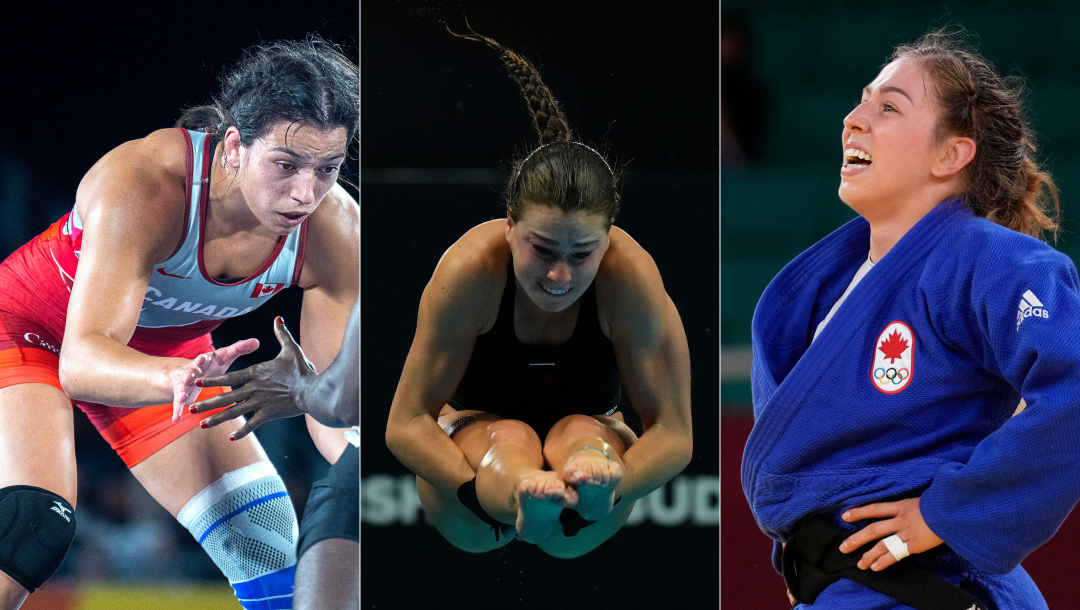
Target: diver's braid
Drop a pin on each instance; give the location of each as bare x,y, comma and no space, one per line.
548,119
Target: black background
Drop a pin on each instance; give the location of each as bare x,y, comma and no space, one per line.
642,84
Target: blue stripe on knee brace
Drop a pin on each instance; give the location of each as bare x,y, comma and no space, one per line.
237,511
246,523
268,592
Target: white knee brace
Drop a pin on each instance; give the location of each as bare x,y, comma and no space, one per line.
246,523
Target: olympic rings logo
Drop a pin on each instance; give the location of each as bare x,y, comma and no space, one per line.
891,375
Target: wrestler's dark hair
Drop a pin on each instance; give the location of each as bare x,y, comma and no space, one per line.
304,81
1003,182
561,173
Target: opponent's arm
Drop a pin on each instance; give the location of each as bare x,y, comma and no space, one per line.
333,398
449,320
133,218
288,386
654,362
331,282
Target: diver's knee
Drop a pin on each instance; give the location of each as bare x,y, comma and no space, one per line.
513,431
574,426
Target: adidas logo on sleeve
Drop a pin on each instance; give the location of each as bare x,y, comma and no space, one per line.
1030,307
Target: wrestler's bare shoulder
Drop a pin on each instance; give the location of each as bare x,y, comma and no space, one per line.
140,184
337,214
333,238
159,157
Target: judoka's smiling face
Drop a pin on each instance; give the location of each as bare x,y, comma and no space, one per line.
889,141
556,254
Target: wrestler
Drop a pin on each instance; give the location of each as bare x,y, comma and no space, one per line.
509,407
112,306
889,358
328,548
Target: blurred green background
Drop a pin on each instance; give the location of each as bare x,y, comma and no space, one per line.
790,73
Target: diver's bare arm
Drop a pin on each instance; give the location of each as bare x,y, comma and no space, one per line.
412,432
446,329
650,345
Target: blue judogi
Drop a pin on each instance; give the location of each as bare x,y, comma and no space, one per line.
990,315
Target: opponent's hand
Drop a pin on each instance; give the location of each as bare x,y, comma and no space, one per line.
902,518
216,362
272,389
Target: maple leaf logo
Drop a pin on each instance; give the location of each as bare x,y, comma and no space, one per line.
893,347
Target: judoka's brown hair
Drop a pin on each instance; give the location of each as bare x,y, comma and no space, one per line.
1003,182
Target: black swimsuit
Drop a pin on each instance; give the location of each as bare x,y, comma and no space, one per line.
541,384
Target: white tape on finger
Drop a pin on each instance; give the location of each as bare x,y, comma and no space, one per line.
897,548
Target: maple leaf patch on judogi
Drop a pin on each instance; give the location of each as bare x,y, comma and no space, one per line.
894,353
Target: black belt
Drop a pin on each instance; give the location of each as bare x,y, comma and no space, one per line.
812,561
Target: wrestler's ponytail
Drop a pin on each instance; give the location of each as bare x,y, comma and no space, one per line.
561,173
306,81
1003,182
206,118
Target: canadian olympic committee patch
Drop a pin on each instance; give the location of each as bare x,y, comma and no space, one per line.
894,355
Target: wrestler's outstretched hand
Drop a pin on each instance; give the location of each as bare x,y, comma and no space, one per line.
901,518
210,363
272,389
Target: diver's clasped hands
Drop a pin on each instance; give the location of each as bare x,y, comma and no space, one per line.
586,484
902,519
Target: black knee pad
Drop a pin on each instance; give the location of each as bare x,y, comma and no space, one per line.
36,529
